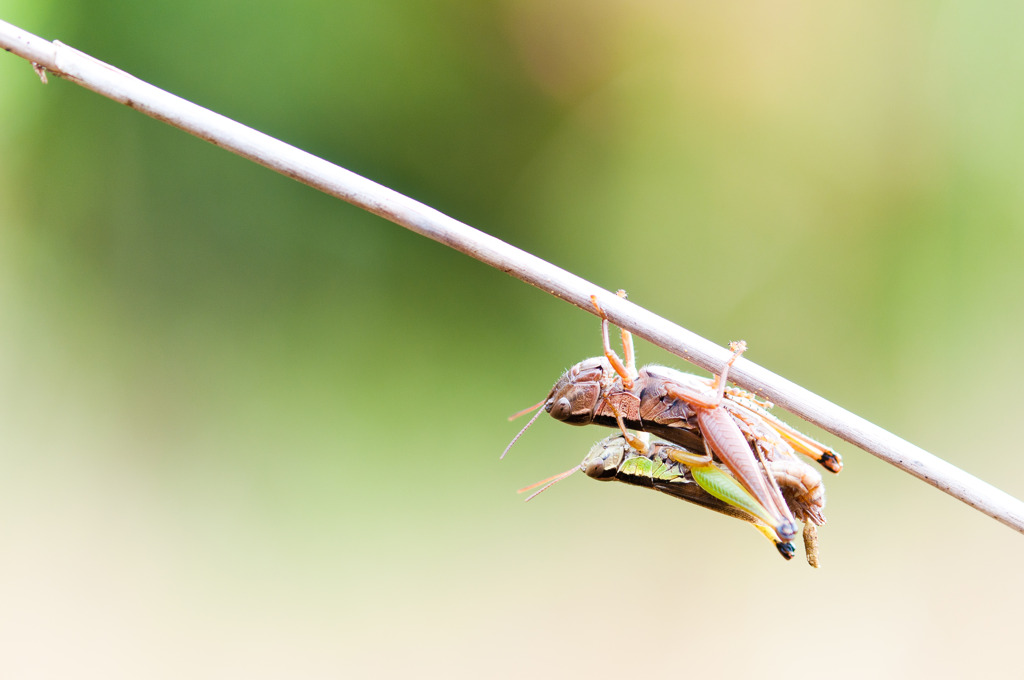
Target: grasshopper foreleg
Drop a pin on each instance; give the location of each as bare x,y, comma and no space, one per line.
626,370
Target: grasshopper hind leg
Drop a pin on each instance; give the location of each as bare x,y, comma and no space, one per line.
727,489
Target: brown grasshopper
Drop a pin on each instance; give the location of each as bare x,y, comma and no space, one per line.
696,414
655,467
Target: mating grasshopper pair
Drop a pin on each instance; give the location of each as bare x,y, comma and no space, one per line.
707,424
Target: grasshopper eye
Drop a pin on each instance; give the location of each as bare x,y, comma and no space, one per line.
604,459
593,467
562,409
600,468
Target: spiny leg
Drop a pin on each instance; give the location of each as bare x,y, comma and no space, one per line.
638,443
825,455
627,370
698,397
627,343
722,378
690,459
773,484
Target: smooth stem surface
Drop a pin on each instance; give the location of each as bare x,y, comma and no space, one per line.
104,79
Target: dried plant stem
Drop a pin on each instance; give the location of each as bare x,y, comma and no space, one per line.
104,79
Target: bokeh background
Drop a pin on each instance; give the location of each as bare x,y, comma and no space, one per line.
247,430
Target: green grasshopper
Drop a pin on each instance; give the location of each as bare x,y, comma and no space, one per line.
657,466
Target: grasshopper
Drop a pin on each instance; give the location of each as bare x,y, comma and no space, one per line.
691,412
708,485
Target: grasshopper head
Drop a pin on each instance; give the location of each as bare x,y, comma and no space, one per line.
604,458
575,396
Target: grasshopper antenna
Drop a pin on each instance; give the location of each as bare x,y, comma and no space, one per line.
525,427
547,483
528,409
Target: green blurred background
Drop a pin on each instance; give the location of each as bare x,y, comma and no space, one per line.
251,431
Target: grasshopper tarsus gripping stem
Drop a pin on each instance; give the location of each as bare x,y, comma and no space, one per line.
721,380
627,370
